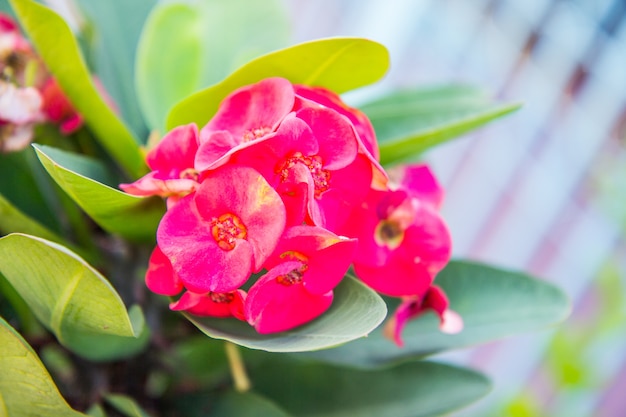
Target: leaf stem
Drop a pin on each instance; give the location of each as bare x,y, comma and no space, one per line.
237,367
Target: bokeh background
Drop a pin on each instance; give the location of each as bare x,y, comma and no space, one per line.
543,190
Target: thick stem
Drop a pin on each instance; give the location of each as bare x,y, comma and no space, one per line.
237,367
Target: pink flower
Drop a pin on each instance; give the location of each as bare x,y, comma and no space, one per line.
58,108
213,304
307,264
412,307
216,237
403,241
327,98
20,109
312,161
249,114
171,162
160,276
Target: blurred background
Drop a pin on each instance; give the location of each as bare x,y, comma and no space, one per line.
543,190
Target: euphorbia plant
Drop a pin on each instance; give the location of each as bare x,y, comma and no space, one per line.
264,210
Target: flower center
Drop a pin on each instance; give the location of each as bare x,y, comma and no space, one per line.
388,233
189,174
321,176
292,277
226,229
257,133
221,297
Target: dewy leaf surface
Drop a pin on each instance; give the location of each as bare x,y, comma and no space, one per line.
413,389
132,217
71,298
409,122
339,64
58,48
26,388
211,37
355,312
493,303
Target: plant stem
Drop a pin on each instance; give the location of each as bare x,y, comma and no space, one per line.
237,367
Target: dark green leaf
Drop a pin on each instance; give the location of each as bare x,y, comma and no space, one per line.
494,303
339,64
26,388
355,312
246,404
132,217
413,389
71,298
409,122
186,46
57,46
112,31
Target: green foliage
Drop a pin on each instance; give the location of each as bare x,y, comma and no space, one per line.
71,299
26,388
408,122
355,312
211,38
57,46
135,218
413,389
125,405
111,34
340,64
493,303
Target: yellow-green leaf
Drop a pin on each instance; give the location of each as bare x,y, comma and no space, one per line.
71,298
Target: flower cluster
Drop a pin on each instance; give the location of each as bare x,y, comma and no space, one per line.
280,193
28,93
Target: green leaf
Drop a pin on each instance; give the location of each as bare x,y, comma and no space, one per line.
21,171
186,46
135,218
409,122
71,298
125,405
356,311
26,388
493,303
112,32
13,220
339,64
227,404
413,389
96,410
57,46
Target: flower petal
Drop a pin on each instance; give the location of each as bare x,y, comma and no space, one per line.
275,307
160,277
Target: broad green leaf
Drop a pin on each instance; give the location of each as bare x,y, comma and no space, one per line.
246,404
356,311
493,303
189,45
413,389
125,405
71,298
227,404
111,35
132,217
409,122
26,388
339,64
57,46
